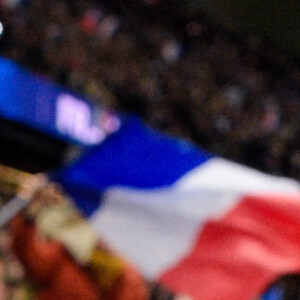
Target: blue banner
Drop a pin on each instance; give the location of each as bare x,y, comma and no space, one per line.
50,108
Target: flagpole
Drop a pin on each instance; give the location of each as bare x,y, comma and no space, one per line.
27,189
11,209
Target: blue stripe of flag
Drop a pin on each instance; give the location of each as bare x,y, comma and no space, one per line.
136,156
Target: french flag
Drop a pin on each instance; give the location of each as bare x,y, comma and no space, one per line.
200,225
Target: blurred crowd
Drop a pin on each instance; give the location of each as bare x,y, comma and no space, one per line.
14,285
231,93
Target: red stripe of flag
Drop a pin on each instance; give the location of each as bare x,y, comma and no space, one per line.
240,254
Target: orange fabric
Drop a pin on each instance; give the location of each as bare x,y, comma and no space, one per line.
53,271
58,277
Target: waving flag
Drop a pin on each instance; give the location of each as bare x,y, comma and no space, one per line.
201,225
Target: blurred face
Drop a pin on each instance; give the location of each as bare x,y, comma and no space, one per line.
50,195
